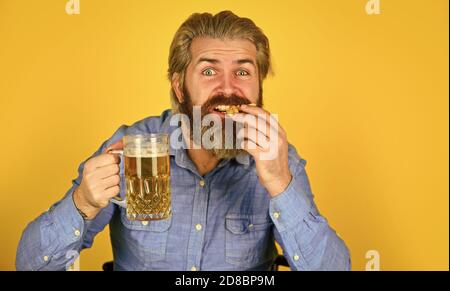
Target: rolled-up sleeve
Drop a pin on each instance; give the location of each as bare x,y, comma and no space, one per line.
307,240
54,240
47,240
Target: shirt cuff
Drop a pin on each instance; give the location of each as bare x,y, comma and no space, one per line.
289,207
68,220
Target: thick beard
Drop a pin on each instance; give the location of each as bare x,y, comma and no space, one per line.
220,152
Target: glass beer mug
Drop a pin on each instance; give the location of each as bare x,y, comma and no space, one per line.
147,177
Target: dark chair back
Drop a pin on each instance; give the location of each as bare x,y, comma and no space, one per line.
279,261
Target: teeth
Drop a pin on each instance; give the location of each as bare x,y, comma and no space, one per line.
229,109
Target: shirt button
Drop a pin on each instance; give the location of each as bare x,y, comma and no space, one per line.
202,183
276,215
296,257
77,232
198,227
144,223
250,226
193,269
45,258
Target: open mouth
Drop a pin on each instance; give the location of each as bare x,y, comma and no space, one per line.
229,110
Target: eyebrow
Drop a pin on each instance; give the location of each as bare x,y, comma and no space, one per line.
215,61
245,61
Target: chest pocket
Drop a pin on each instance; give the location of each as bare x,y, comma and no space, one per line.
147,239
248,240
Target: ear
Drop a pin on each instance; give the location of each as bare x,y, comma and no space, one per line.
176,86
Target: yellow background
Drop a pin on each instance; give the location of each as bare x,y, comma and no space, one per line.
364,98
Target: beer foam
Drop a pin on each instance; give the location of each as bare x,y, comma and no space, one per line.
146,155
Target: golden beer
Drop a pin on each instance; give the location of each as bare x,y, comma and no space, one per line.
147,178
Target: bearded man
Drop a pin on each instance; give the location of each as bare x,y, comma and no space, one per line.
230,205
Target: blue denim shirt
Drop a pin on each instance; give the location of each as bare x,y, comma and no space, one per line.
224,220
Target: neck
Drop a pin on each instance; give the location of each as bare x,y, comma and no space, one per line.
203,160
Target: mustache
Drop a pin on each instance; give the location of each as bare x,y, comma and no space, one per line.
221,99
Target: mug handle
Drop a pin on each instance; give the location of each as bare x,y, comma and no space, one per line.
122,202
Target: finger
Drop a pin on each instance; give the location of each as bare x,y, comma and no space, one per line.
256,111
107,171
252,109
112,191
251,147
261,140
118,145
260,149
263,114
250,119
111,181
105,160
263,130
260,122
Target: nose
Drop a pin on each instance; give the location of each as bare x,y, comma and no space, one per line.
228,85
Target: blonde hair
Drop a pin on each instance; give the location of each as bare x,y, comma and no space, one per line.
223,25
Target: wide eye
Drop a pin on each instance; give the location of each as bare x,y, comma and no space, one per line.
242,73
208,72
